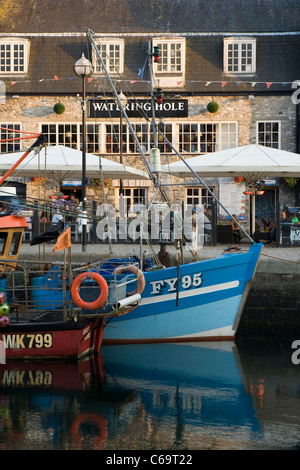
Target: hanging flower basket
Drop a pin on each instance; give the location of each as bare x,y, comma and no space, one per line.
291,181
59,108
212,107
238,179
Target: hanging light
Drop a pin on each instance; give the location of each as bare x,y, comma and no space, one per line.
155,54
257,192
159,96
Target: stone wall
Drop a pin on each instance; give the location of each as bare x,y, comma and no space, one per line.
273,303
31,111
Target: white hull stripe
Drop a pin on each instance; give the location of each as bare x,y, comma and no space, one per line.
217,332
190,293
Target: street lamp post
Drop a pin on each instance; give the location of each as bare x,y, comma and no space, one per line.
83,68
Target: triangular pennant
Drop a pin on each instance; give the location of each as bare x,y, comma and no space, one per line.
224,83
63,241
269,84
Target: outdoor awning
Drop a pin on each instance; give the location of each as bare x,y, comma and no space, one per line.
59,163
253,162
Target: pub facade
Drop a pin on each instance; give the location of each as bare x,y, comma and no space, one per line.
220,85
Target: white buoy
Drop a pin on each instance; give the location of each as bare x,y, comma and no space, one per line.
155,160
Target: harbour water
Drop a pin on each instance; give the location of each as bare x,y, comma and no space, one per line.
192,396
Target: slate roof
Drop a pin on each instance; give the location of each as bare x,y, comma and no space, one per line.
110,16
204,23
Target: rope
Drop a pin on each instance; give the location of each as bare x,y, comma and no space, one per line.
281,259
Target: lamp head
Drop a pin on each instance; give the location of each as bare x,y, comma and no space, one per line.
83,67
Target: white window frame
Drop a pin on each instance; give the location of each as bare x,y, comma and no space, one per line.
266,132
239,43
109,59
198,195
163,71
131,199
202,140
10,145
7,63
216,135
92,135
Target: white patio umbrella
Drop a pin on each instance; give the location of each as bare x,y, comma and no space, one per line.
253,162
60,163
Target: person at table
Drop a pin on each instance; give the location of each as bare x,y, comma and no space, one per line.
235,229
285,225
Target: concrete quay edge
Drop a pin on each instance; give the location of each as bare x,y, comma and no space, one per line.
280,260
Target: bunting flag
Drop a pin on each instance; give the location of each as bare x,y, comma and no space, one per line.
141,72
63,241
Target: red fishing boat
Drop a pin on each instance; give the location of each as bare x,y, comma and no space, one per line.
43,314
52,313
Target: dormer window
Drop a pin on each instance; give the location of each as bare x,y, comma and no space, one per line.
14,53
240,55
170,70
112,53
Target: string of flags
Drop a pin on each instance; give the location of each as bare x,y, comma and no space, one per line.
252,84
223,84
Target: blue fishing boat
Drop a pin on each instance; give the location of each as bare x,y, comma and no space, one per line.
202,300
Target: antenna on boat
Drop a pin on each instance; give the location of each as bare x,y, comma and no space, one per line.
90,36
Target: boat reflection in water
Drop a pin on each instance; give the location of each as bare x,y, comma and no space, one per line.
155,396
172,396
191,394
56,405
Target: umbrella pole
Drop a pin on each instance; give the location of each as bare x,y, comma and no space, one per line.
252,214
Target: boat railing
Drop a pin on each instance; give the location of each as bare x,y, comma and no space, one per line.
37,289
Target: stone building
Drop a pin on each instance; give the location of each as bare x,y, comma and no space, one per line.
243,57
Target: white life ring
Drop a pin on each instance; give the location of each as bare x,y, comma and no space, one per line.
140,277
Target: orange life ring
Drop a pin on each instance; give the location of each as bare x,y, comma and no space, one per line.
140,277
100,422
75,291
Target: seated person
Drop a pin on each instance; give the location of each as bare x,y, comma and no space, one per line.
57,218
285,225
235,229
